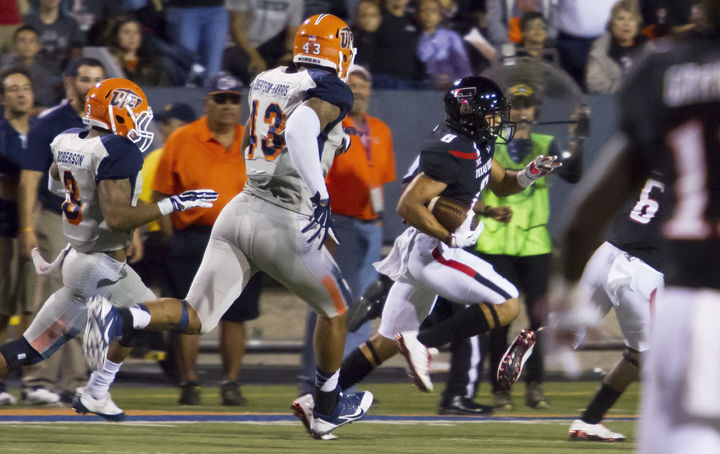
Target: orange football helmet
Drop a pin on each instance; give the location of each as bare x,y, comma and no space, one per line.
325,40
120,107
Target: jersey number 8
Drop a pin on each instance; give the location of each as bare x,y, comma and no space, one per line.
72,207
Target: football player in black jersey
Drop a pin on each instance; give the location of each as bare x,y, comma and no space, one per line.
671,122
427,260
624,273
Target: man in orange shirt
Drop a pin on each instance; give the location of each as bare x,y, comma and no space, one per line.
207,150
356,199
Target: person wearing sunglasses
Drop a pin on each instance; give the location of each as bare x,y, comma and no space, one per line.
206,151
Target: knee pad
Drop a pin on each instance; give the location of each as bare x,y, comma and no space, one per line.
19,353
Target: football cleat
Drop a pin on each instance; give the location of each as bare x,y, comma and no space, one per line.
368,307
349,408
514,359
103,325
7,399
582,431
418,358
303,408
84,403
39,396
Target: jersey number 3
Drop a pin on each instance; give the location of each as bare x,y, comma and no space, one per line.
273,142
72,207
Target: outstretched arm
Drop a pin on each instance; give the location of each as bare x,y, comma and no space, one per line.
120,215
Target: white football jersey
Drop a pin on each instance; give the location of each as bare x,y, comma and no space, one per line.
83,163
273,97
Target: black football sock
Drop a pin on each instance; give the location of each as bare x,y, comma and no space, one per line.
357,366
325,401
462,325
601,403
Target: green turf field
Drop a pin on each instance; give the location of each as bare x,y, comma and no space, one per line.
522,430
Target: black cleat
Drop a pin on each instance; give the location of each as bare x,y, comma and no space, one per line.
459,405
368,307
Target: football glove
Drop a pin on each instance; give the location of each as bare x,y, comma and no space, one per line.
541,166
321,220
466,235
196,198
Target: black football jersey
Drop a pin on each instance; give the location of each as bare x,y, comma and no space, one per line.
456,160
671,115
635,229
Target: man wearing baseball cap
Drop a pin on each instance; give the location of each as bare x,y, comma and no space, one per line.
521,249
206,151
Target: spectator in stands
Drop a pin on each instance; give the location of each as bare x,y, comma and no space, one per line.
263,34
206,152
355,184
364,26
152,268
124,39
521,249
41,227
93,17
60,37
10,19
397,66
335,7
666,17
612,54
503,18
579,23
201,26
534,42
17,276
440,49
25,49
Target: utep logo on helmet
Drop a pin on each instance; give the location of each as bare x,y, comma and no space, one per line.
345,38
123,97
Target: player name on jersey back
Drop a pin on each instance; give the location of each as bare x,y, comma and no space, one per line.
70,158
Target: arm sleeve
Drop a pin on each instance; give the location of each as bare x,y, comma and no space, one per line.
301,137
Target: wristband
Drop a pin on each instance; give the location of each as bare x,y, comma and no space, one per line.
165,206
524,180
27,229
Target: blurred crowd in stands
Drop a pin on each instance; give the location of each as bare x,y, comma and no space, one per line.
406,44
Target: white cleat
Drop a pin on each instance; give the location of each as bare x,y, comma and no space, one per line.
84,403
582,431
303,408
39,396
7,399
418,358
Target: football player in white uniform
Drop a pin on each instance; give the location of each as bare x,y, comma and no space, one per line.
278,223
98,172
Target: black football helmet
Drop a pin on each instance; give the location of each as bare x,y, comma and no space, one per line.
470,100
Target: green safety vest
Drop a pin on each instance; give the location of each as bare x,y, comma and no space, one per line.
526,233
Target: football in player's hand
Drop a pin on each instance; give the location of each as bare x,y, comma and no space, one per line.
450,213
